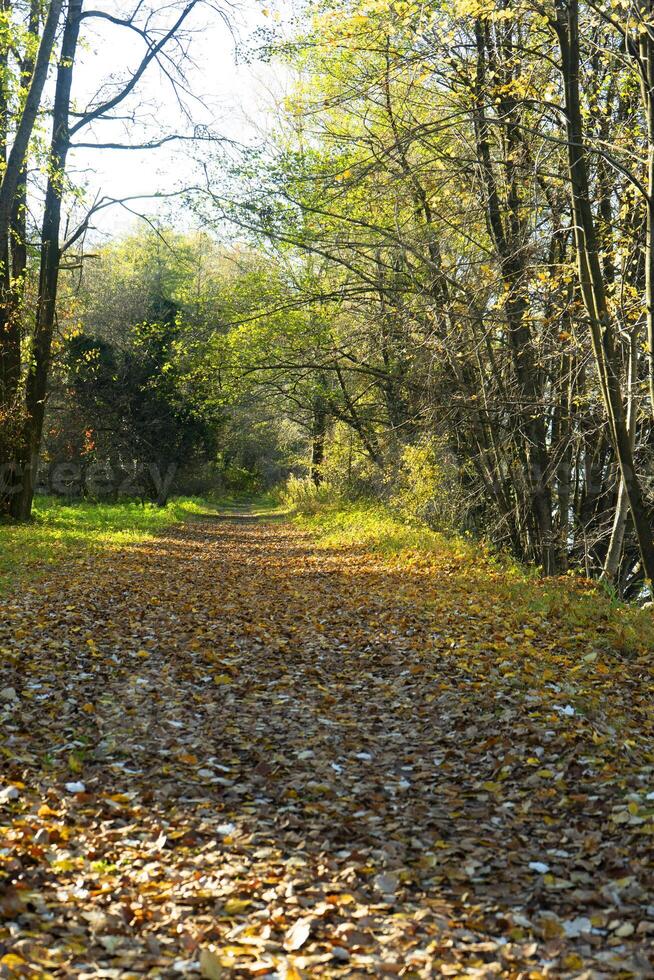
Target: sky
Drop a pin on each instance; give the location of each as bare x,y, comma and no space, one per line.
228,96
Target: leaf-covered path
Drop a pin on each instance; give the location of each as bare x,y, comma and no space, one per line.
232,751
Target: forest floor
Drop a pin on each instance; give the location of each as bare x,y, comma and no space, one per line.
232,751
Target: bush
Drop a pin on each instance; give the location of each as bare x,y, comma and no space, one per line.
422,487
303,496
427,488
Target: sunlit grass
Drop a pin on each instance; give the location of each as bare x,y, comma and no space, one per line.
374,527
582,606
63,531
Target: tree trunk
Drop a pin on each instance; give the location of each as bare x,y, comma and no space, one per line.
505,231
592,284
318,435
614,553
18,154
37,376
646,59
14,257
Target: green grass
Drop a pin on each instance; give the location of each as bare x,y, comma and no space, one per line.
584,607
381,530
63,531
378,529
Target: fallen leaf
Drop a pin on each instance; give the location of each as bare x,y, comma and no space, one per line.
297,935
210,965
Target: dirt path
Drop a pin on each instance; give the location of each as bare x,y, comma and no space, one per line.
229,748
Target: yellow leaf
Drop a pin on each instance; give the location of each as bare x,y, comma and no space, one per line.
233,906
342,898
291,972
46,811
12,962
64,864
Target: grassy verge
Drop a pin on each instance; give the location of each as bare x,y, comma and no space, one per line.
61,532
581,606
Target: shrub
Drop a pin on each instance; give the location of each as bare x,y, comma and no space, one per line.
426,487
304,497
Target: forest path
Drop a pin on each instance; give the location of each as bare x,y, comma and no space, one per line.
293,761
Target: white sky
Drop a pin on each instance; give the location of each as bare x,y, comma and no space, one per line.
228,98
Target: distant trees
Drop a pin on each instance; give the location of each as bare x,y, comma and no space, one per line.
27,321
131,410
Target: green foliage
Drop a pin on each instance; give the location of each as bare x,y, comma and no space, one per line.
133,396
348,469
426,486
303,496
240,480
422,488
